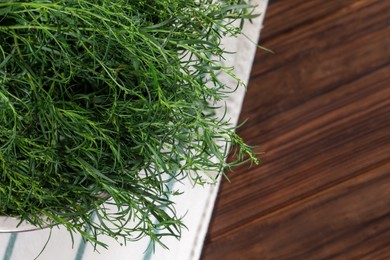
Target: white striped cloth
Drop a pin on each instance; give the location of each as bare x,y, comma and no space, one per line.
196,203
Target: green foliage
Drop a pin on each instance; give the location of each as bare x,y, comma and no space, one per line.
109,98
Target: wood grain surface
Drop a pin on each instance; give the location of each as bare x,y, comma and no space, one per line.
320,109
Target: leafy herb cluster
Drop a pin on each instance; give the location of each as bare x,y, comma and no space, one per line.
111,98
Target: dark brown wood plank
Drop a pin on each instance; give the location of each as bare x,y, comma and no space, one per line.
341,223
310,148
309,63
348,23
320,108
290,15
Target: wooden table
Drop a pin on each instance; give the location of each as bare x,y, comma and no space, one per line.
320,109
